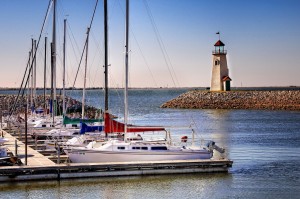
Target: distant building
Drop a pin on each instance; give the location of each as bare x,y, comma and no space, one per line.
220,80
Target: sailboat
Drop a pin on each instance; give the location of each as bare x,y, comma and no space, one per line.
128,150
45,121
67,127
90,129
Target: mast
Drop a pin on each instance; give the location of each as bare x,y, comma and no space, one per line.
54,58
28,87
64,68
85,71
45,65
31,76
105,57
126,69
106,114
34,73
52,72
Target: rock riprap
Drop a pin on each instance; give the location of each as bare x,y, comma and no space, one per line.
265,100
73,106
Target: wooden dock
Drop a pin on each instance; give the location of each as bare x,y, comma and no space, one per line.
41,167
34,158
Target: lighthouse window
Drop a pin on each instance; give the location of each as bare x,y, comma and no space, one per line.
217,62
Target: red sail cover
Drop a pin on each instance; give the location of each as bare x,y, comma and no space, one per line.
112,126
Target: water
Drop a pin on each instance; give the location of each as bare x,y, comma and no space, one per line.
264,145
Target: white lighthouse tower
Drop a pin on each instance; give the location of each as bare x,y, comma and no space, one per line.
220,80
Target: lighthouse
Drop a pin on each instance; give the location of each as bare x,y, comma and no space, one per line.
220,80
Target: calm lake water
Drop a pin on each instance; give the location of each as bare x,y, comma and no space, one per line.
264,145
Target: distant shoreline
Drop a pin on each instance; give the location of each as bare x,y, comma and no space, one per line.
165,88
256,100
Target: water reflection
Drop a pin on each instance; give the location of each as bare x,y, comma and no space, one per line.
166,186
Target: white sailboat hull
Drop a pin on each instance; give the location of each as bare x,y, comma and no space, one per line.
96,156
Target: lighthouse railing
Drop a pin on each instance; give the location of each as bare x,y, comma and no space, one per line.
215,52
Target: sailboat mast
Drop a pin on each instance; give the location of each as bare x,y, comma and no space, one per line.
105,58
85,71
45,70
106,114
64,68
34,73
52,72
54,57
28,87
126,69
31,76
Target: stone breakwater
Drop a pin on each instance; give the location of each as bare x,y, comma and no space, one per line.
264,100
74,107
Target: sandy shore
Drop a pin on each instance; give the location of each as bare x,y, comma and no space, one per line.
266,100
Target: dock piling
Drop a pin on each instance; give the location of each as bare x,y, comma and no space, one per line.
16,148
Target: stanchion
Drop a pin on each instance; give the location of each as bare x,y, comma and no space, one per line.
25,136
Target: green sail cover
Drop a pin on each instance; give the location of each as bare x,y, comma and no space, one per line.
67,120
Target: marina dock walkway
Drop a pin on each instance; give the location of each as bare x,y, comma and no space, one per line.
34,158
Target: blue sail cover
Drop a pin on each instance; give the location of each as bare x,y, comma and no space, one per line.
50,103
32,107
85,128
39,110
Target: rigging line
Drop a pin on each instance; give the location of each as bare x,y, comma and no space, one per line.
73,48
97,42
60,60
73,37
31,66
140,50
68,68
116,89
61,14
161,44
84,48
165,54
20,72
196,127
98,49
85,44
146,62
165,50
28,64
79,64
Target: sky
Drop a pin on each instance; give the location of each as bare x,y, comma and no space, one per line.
170,41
